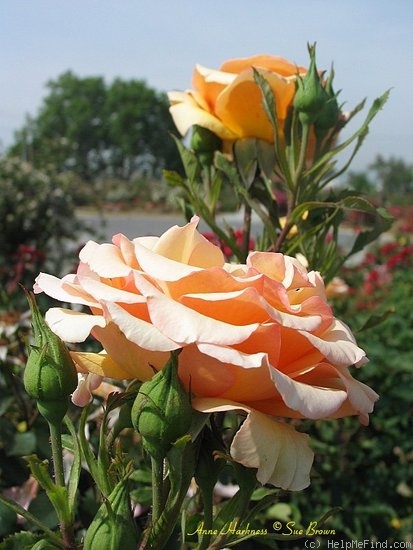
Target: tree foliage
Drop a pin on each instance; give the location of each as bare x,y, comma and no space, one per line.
392,178
97,129
395,178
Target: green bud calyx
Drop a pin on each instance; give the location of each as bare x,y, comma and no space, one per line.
162,412
330,112
203,140
113,527
50,374
311,95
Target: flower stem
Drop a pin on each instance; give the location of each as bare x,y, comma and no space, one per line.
207,496
157,489
57,453
66,526
246,231
302,156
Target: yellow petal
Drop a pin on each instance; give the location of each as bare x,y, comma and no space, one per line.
240,108
100,364
187,113
272,63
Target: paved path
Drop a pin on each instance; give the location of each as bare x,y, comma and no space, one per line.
138,224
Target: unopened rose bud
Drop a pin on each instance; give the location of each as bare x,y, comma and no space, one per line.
162,412
50,374
113,526
330,112
204,143
311,95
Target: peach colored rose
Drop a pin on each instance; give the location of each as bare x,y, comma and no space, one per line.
257,337
337,288
228,102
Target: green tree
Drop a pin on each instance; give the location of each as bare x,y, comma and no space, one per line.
97,130
138,128
360,182
394,178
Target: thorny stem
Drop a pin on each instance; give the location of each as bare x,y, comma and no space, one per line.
66,527
246,231
157,489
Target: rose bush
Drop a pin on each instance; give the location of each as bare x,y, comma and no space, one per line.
258,337
228,101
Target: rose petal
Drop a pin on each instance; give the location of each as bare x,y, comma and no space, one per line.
86,384
185,326
104,259
100,364
234,356
337,344
311,401
72,326
253,122
138,331
281,455
273,63
188,113
361,396
187,246
65,289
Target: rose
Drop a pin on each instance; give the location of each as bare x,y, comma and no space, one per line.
228,101
258,338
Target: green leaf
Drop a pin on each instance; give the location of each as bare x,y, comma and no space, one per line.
23,444
266,157
245,155
8,519
227,167
269,105
189,160
5,403
25,541
359,135
366,237
75,469
215,189
40,470
377,319
173,178
268,99
42,508
30,517
44,545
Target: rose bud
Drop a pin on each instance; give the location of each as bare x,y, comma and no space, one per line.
50,374
162,411
205,143
330,113
113,526
310,96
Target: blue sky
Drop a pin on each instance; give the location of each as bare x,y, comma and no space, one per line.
369,41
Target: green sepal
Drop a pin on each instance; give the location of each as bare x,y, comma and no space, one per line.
204,143
162,412
245,155
310,97
50,375
209,464
113,527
